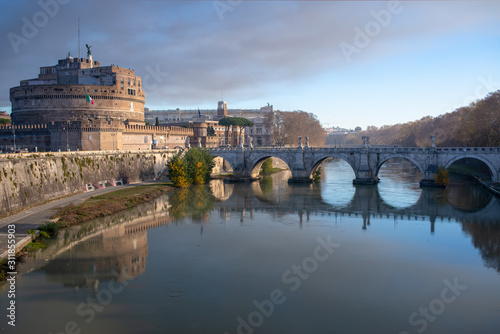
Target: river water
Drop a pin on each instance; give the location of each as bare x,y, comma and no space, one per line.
269,257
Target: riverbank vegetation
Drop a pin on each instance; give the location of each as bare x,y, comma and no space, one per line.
441,176
194,167
107,204
477,124
267,167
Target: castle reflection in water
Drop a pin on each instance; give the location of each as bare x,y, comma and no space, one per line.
116,247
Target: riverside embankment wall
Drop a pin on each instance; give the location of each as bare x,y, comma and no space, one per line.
27,180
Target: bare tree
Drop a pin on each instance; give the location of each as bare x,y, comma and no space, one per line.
287,126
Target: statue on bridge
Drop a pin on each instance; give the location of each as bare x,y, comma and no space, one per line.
300,142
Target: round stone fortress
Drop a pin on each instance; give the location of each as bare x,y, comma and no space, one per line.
59,94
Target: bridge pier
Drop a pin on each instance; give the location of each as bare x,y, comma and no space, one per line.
365,161
428,180
365,177
300,176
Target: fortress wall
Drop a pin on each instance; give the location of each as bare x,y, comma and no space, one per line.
48,103
91,136
27,180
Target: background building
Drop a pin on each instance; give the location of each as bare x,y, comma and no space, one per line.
4,115
260,133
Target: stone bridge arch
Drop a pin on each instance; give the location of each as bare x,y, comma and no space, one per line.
419,164
226,158
345,157
493,170
255,163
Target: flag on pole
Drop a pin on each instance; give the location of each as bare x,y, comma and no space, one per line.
89,99
199,113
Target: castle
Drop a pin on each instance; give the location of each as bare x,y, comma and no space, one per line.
80,105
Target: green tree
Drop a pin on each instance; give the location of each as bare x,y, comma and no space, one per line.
157,122
441,176
199,164
240,122
178,173
267,167
317,175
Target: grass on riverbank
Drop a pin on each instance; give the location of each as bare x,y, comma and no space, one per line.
109,203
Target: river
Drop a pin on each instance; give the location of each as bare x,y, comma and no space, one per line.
273,257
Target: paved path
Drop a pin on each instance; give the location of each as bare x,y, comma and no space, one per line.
36,216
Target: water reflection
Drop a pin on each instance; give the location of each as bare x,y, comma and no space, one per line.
108,248
254,232
93,251
194,202
118,253
336,175
399,183
467,196
486,238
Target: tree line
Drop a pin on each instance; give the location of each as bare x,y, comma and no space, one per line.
477,124
287,126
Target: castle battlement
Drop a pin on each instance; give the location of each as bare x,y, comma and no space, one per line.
60,93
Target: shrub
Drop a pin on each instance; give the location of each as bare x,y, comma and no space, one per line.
194,167
441,176
50,228
195,170
178,172
44,235
317,175
267,167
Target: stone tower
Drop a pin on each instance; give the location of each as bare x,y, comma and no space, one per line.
222,109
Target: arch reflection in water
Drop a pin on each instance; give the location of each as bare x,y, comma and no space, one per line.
336,183
403,189
466,196
191,282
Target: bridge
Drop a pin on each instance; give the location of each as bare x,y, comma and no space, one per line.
366,202
365,161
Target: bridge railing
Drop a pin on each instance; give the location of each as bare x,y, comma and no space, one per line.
385,149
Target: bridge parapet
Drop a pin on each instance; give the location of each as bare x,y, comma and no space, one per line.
365,161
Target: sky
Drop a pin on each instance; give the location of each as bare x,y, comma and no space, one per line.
351,63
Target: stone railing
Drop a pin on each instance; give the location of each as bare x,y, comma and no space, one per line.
396,149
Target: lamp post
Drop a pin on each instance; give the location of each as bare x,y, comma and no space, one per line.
14,135
67,138
60,138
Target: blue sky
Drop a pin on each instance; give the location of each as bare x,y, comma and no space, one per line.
421,58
